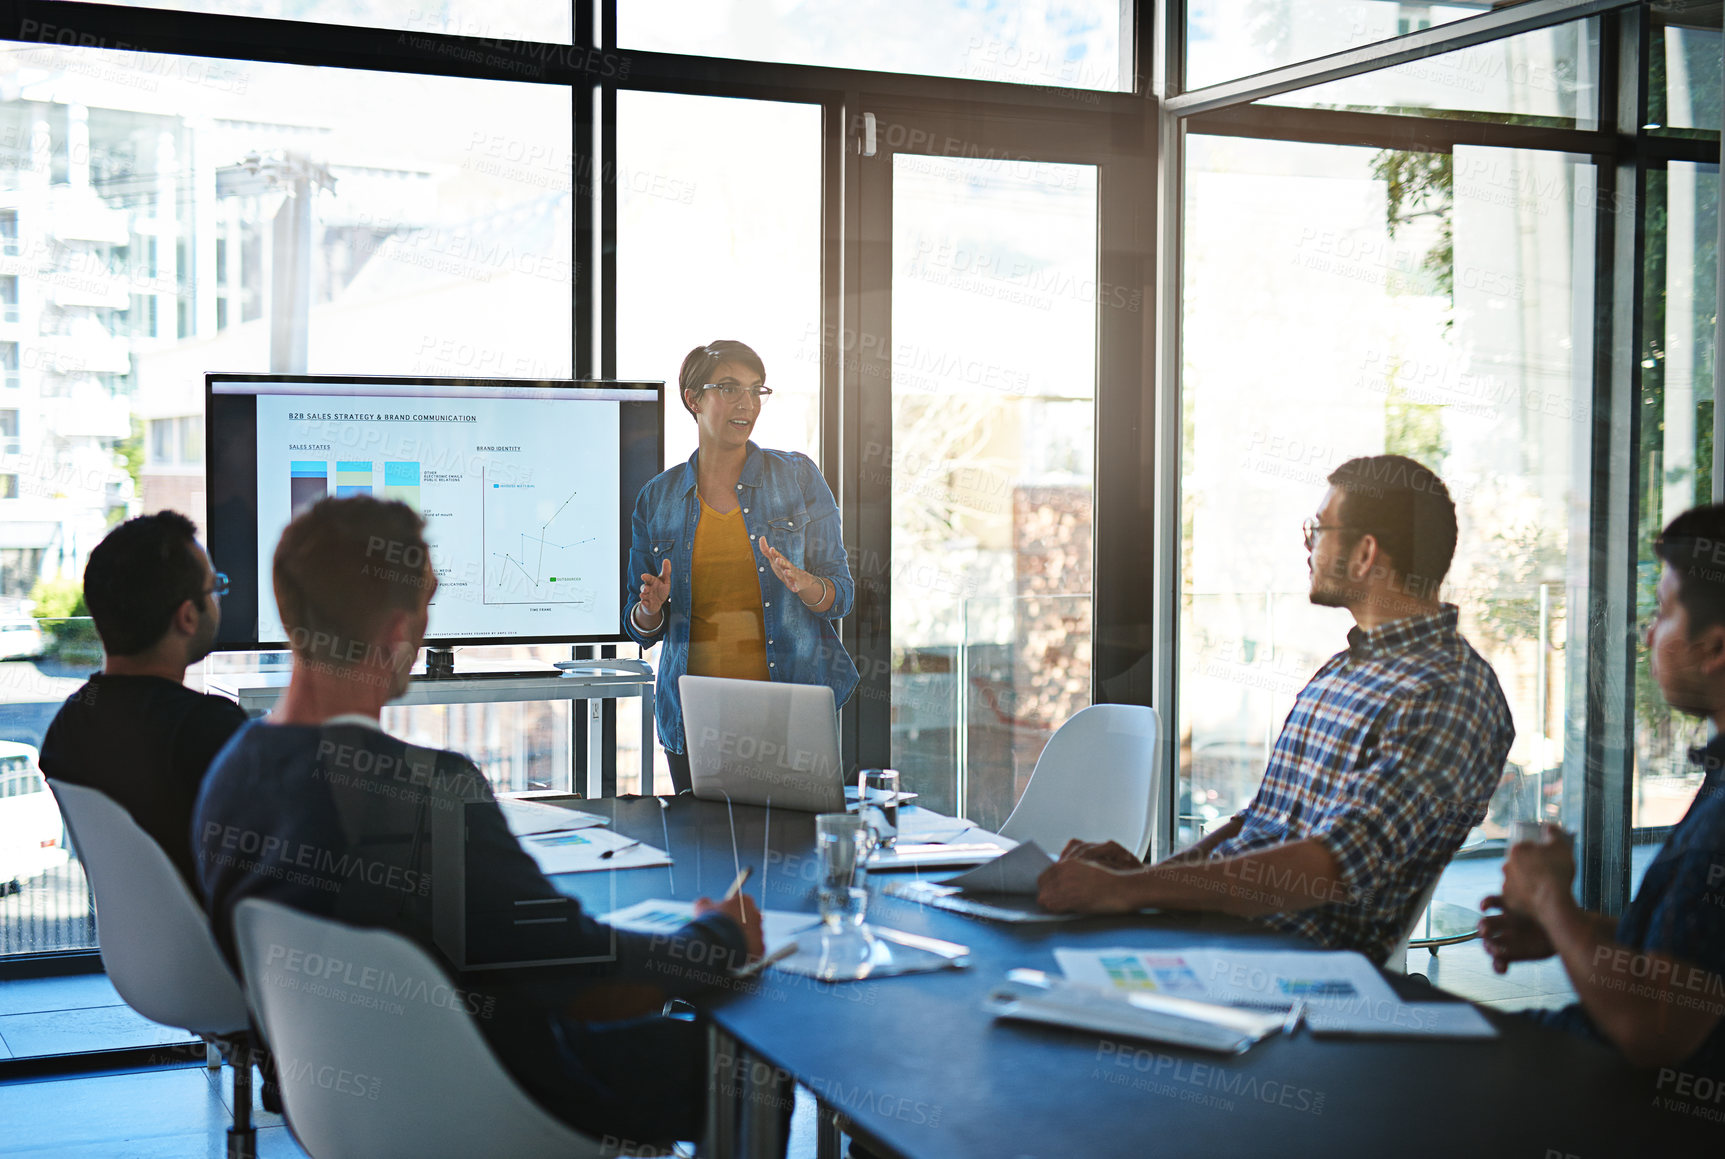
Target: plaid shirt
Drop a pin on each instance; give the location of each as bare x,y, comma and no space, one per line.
1389,757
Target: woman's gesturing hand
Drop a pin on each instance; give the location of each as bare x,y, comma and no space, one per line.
801,583
655,590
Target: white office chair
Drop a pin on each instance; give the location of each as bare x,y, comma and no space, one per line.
1398,959
155,939
405,1072
1099,779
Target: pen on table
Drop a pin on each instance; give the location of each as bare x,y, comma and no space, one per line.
1296,1015
616,849
760,964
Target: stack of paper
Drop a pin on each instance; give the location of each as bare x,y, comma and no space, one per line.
524,817
928,840
1035,997
1341,993
1014,872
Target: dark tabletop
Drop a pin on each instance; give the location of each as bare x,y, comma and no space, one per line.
920,1067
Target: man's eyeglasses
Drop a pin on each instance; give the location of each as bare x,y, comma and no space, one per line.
731,391
221,585
1311,527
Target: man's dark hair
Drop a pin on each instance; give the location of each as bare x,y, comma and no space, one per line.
1693,546
342,566
699,364
138,577
1406,508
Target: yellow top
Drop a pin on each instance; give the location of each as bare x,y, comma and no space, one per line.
727,626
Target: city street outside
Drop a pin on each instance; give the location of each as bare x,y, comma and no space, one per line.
52,911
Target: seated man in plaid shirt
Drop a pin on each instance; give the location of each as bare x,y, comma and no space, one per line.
1389,757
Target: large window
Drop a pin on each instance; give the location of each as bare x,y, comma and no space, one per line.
170,215
1344,301
719,236
506,23
1076,44
1232,38
994,321
1675,463
1683,63
362,223
1545,77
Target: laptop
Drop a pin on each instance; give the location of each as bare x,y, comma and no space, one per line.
759,742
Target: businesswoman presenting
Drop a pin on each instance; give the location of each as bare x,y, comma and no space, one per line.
737,564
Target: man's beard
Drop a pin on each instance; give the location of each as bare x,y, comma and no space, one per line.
1329,597
205,640
1331,591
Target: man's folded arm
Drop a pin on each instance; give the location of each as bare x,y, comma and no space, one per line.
1284,878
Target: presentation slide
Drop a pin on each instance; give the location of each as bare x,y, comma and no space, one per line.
519,488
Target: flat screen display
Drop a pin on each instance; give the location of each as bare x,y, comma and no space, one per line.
526,488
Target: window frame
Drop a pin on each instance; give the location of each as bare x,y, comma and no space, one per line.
1137,462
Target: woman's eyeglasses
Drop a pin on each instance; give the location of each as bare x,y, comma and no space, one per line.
731,391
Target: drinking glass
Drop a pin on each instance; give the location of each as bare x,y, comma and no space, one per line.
843,843
877,801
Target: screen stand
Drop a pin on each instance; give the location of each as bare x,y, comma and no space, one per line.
439,664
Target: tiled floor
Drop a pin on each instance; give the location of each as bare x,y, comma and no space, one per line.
69,1015
180,1113
1465,969
174,1114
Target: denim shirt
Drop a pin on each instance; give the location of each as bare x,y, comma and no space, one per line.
784,498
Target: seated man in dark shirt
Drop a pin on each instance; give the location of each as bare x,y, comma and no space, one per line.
317,808
135,731
1652,983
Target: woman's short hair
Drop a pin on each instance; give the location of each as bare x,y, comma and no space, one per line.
698,367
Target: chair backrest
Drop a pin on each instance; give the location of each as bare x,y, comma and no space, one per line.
374,1049
1398,959
155,938
1099,779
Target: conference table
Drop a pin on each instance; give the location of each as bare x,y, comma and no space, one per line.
916,1066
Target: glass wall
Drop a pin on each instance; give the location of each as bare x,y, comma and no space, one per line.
1465,280
995,296
719,242
1546,77
1675,463
164,216
1234,38
1683,88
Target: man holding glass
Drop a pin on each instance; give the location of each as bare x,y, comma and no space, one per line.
1387,760
1652,983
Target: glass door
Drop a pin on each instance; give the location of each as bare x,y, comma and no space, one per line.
975,371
